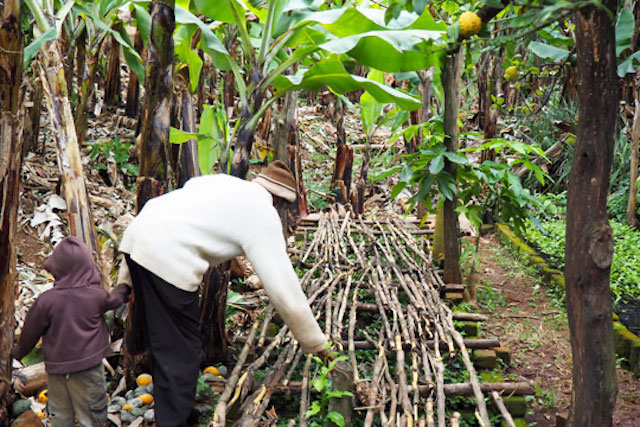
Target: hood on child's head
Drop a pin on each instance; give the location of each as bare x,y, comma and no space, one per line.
71,264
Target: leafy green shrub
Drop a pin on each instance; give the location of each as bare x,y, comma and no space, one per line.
549,238
115,151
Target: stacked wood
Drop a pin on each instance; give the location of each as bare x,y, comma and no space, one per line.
364,278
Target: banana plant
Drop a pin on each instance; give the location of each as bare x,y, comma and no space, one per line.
291,34
98,19
48,24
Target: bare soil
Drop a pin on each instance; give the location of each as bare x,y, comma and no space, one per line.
529,319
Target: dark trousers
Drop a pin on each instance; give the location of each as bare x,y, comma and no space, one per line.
173,334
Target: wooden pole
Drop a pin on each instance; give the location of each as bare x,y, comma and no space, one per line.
589,247
451,85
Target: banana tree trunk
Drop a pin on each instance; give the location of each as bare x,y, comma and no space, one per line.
67,147
287,148
10,160
451,85
158,97
185,156
632,217
240,162
589,247
81,56
154,140
32,118
342,169
112,85
133,90
86,91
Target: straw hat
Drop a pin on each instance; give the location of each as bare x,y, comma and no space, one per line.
278,180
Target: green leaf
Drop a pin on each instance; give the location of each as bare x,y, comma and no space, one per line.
397,189
456,158
177,136
319,383
313,409
337,418
332,73
624,31
220,10
182,38
436,165
34,47
392,51
629,65
143,20
546,51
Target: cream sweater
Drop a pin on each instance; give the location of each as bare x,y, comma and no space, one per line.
212,219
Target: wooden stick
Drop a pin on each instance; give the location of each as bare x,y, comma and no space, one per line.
503,409
220,414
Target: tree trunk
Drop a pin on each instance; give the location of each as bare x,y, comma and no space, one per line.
158,96
213,311
112,85
69,161
632,218
133,90
81,55
589,247
86,92
154,135
451,85
342,170
10,160
32,125
185,155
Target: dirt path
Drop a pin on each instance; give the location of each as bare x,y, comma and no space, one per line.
529,319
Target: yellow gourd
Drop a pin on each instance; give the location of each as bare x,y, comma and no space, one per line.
146,398
211,370
470,24
511,73
144,379
126,407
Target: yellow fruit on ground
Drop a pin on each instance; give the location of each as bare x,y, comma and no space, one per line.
41,415
470,24
211,370
146,398
511,73
144,379
126,407
42,397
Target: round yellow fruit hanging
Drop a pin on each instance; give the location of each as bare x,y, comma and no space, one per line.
211,370
511,73
42,397
144,379
470,24
146,398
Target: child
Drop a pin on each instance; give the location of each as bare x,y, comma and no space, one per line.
70,319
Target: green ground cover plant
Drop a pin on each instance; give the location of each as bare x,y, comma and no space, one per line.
546,232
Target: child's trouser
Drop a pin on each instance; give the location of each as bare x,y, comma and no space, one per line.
80,394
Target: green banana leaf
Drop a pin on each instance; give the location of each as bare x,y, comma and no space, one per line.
331,73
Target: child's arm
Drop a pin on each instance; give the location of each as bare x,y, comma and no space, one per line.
34,326
120,294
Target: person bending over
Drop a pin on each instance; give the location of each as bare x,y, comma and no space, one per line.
176,238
